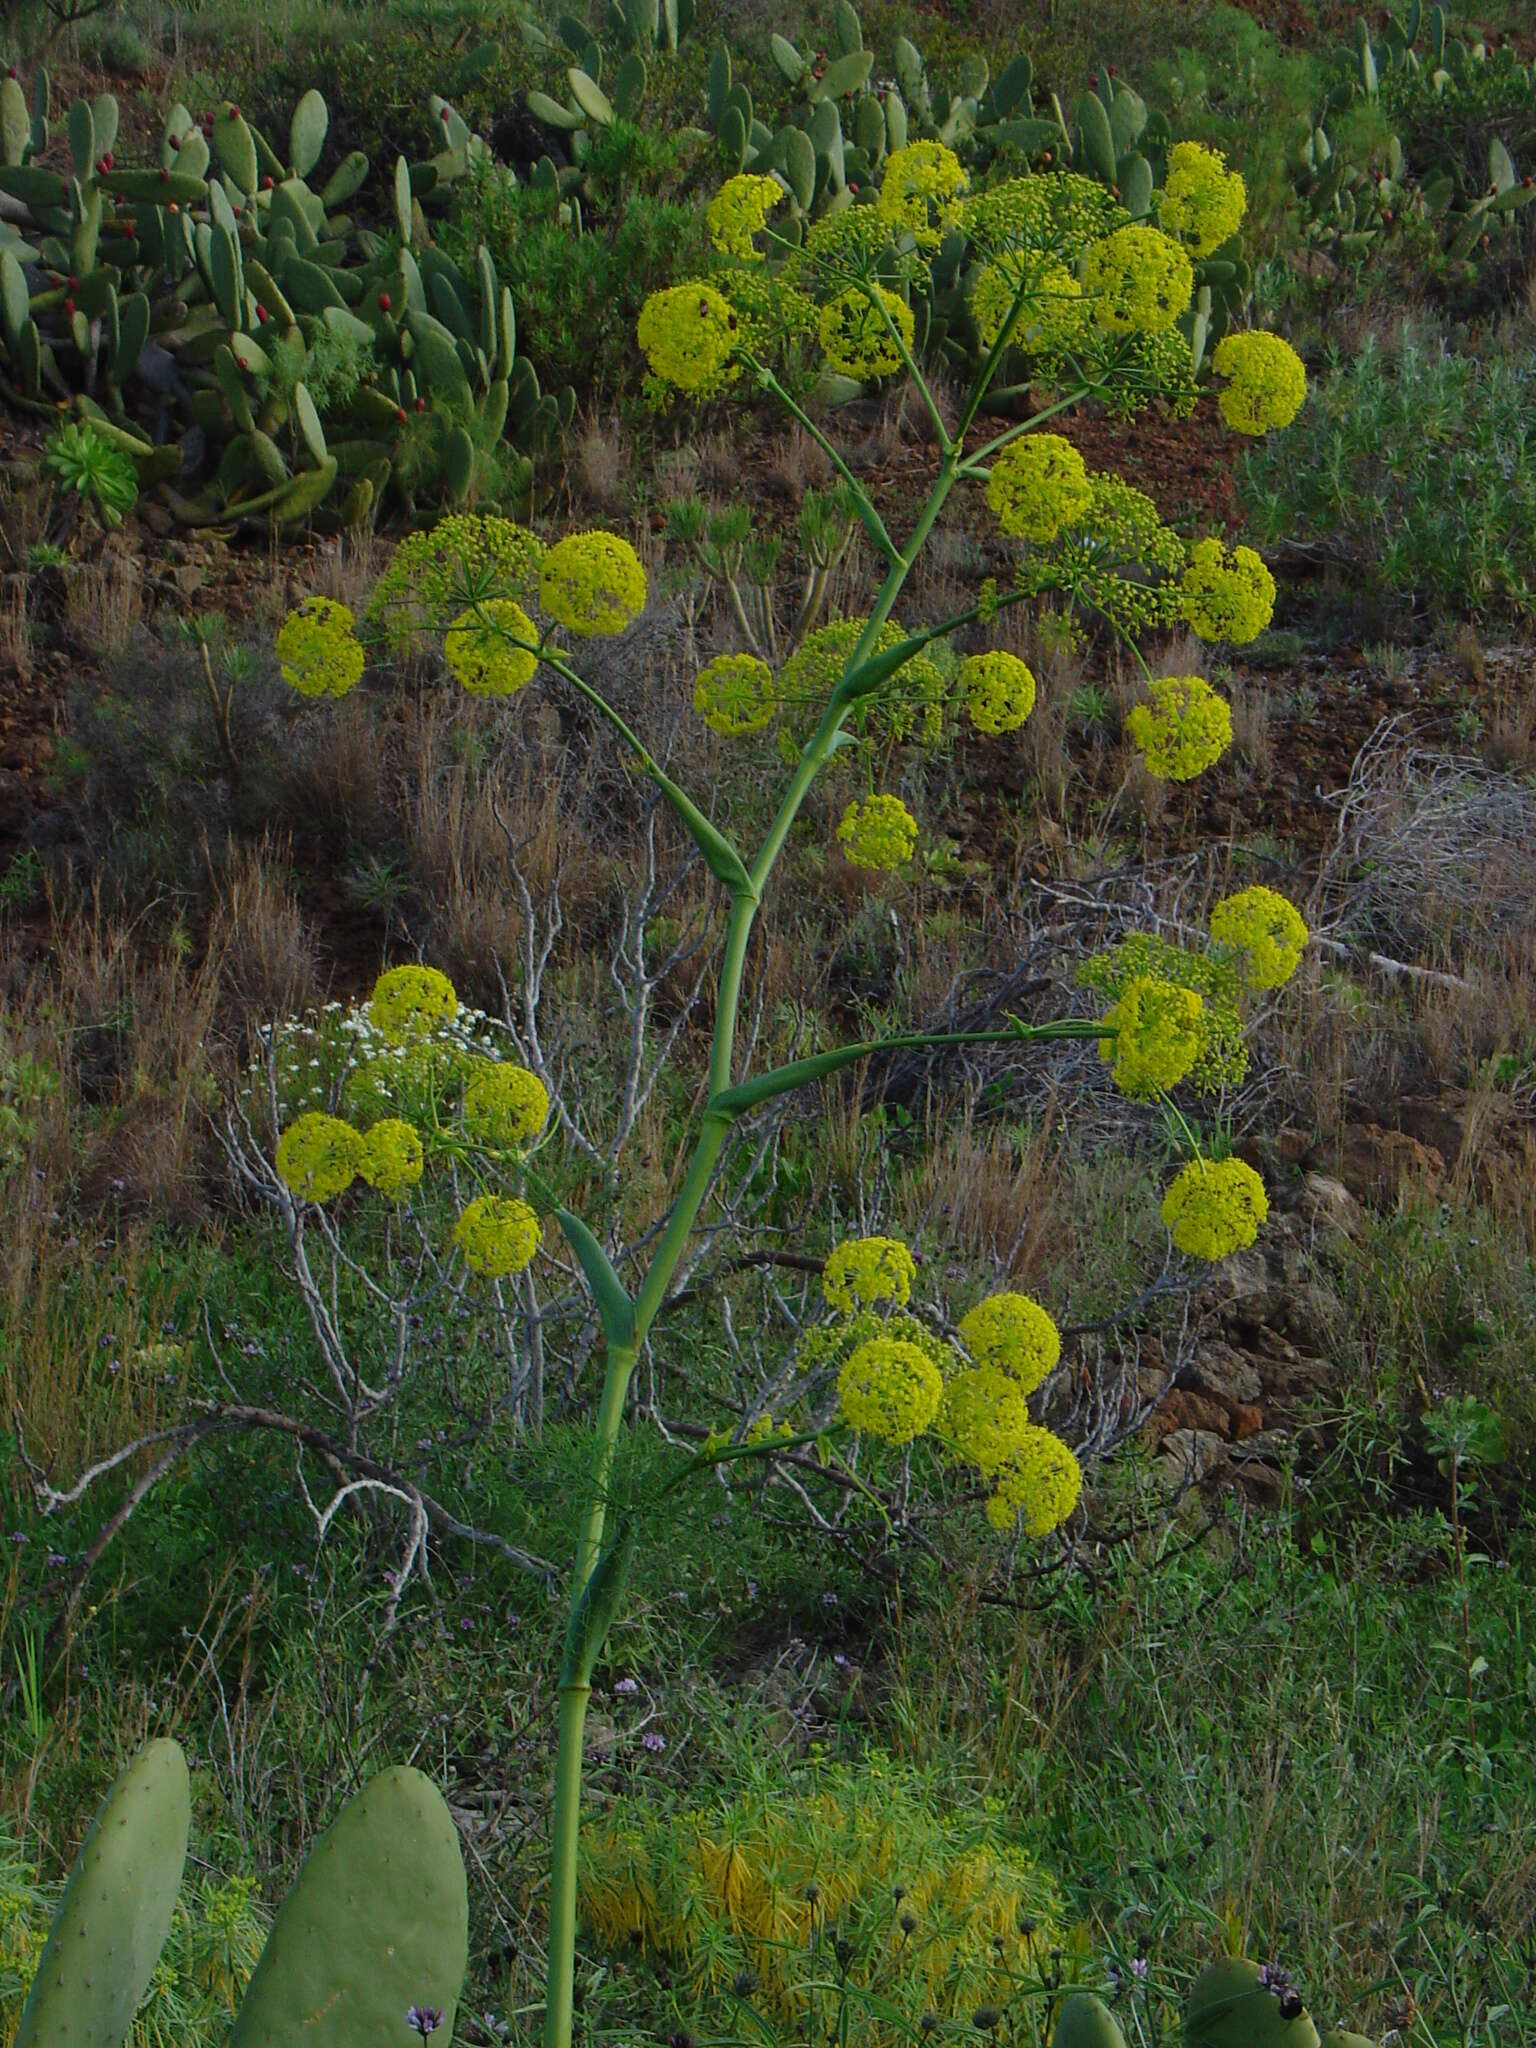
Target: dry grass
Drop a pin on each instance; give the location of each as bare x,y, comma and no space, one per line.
992,1203
77,1373
603,463
103,603
25,503
15,629
265,946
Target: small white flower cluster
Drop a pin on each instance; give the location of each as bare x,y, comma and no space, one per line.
313,1056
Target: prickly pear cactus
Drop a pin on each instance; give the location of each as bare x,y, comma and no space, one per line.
1231,2007
376,1924
117,1910
1086,2022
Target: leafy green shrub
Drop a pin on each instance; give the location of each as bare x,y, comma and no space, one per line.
579,283
382,99
843,1884
1414,465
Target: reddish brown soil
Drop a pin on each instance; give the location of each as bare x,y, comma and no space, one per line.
1187,467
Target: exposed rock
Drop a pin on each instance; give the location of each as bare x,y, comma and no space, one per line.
1226,1373
1440,1127
1151,1381
1328,1205
1244,1419
1377,1164
1261,1483
1191,1455
1184,1410
1311,1316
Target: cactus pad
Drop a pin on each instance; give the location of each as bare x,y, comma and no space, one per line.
116,1911
1230,2008
377,1922
1086,2022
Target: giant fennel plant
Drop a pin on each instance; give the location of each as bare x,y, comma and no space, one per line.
1093,300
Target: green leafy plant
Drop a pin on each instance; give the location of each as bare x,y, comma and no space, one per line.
1464,1433
579,280
1413,467
99,477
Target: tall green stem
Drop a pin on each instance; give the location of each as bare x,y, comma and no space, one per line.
560,1963
576,1675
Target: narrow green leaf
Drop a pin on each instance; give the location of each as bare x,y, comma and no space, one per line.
720,857
614,1307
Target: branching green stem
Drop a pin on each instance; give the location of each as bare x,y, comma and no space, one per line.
727,1100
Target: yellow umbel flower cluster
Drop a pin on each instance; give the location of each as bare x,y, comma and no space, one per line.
1054,314
808,677
319,1156
593,584
734,694
689,333
999,690
505,1105
1226,596
498,1235
921,191
1040,1485
1223,1060
1015,1334
862,1271
1202,201
1213,1207
877,832
889,1389
1038,485
846,244
1182,729
985,1416
1140,280
740,210
489,648
1266,929
408,1002
431,572
855,331
1056,212
1117,558
318,652
1158,1035
393,1160
821,659
1267,381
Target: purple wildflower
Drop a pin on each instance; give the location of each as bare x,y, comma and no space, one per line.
424,2019
653,1741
